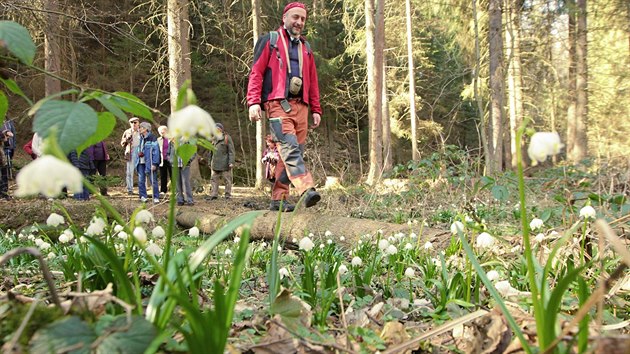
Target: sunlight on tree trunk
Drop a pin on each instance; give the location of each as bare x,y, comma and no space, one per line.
374,50
571,115
261,128
52,60
581,108
387,130
495,42
175,54
415,155
482,127
515,94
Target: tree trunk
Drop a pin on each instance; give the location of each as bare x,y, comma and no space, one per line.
375,80
515,93
495,43
52,51
482,127
415,155
387,129
299,224
581,105
261,128
175,53
571,116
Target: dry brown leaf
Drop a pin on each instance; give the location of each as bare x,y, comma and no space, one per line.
277,340
612,345
394,333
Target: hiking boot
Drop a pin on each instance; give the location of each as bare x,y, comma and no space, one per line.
311,197
180,203
156,200
275,205
212,197
143,199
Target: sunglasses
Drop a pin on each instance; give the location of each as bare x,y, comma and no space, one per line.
136,122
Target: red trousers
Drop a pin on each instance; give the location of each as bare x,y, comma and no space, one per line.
289,130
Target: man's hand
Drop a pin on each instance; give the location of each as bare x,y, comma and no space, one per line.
317,118
255,113
153,167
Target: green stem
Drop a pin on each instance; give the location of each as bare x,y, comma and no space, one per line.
531,269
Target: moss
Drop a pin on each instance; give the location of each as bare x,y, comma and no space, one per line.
12,313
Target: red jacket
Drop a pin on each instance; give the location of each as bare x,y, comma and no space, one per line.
268,79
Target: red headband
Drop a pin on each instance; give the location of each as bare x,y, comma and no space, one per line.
293,5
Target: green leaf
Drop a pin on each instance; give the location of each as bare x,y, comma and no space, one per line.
17,40
74,122
122,337
500,193
107,102
63,334
13,87
186,152
106,124
132,104
41,102
4,106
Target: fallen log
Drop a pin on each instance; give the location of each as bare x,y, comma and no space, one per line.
298,225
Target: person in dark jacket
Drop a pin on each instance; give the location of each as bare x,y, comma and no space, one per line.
283,82
100,163
85,163
148,162
165,162
221,163
5,166
184,192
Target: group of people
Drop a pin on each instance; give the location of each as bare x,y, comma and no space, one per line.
150,157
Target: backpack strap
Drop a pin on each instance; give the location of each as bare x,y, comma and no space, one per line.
273,42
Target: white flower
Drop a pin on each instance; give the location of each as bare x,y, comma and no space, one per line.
69,234
279,248
294,240
118,228
428,246
140,235
144,216
328,233
48,175
505,288
413,235
97,225
228,252
343,269
263,245
237,239
391,250
356,262
63,238
383,244
55,220
321,246
329,241
306,244
536,224
408,246
193,232
485,240
539,238
154,250
38,242
341,238
44,246
468,219
284,272
456,227
51,256
191,121
391,239
410,273
588,212
543,144
122,235
158,232
492,275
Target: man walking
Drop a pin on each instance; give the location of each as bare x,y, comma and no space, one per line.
283,80
222,162
130,140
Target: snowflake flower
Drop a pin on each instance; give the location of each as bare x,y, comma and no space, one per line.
193,232
410,273
485,240
140,235
457,227
542,145
48,175
284,272
505,288
536,224
228,252
341,238
63,238
55,220
118,228
329,241
588,212
539,238
191,121
158,232
154,250
306,244
97,225
428,246
343,269
122,235
391,250
237,239
144,217
492,275
328,233
44,246
383,244
356,262
408,246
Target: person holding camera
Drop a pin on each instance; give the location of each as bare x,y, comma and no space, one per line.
283,82
130,140
148,162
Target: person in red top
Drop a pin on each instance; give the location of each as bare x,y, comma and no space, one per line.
283,82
